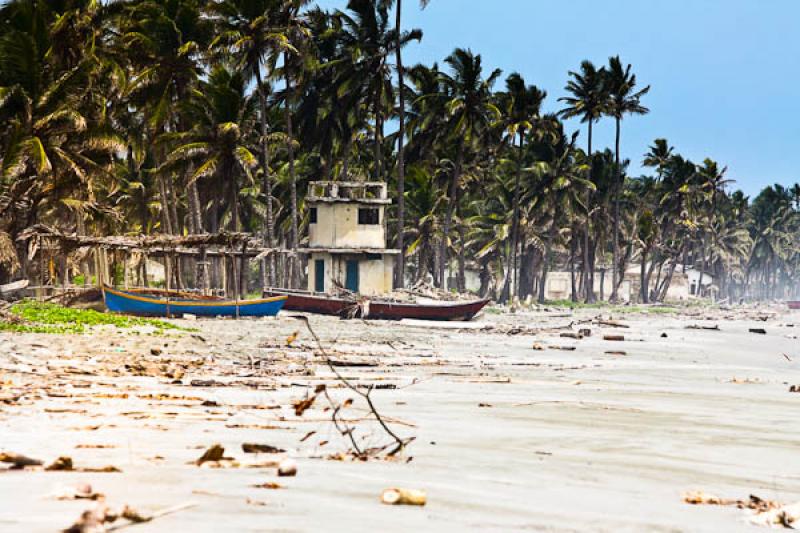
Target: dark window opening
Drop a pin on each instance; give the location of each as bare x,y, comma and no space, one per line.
369,216
312,213
319,275
374,257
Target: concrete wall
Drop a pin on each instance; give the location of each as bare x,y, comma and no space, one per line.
559,286
374,275
337,227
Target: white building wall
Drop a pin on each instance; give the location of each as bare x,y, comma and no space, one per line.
337,227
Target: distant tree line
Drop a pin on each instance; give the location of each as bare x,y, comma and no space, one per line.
193,116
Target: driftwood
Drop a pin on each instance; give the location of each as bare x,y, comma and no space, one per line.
707,328
612,323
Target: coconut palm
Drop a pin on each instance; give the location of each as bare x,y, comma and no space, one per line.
470,114
520,104
623,100
589,101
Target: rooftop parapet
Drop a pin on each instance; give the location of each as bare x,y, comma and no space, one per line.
366,192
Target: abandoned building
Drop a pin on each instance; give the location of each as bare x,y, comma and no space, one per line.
347,238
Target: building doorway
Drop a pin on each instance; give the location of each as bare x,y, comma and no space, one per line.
319,275
351,277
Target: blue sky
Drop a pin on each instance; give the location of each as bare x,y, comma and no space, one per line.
725,74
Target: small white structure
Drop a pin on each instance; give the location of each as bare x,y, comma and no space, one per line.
347,238
559,286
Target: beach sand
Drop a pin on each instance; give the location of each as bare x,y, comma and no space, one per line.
508,438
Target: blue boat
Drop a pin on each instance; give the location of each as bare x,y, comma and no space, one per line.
171,304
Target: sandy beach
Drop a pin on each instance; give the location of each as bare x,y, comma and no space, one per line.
507,437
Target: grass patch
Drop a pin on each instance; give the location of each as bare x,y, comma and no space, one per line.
41,317
622,309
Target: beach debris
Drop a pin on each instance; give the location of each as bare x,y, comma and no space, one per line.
758,331
189,316
287,468
715,327
765,512
571,335
664,335
794,388
485,405
81,491
538,347
291,338
616,352
18,461
301,406
62,463
786,516
270,485
586,332
565,348
249,447
95,519
787,357
614,338
215,453
396,496
698,497
744,381
307,436
612,323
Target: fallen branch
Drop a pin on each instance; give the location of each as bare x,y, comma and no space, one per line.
400,443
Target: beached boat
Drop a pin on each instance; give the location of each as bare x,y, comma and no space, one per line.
793,304
12,288
377,309
169,303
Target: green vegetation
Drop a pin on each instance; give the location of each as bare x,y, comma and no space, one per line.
41,317
193,116
618,309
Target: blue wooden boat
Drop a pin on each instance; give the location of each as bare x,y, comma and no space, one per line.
171,304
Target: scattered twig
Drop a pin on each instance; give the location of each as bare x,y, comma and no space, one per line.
400,443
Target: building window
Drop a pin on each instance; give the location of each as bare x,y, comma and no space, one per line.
312,214
368,216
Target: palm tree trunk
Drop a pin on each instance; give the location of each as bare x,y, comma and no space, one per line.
165,216
589,292
618,186
378,131
505,296
295,271
451,206
401,171
548,246
264,158
644,289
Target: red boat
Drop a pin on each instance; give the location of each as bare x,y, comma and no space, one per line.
376,309
794,305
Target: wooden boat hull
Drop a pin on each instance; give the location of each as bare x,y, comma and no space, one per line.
142,305
11,288
794,305
378,310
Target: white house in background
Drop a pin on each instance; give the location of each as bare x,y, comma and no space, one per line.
559,286
347,238
694,282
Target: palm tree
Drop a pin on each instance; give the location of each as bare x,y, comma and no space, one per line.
589,101
521,110
470,113
367,40
248,32
623,100
401,139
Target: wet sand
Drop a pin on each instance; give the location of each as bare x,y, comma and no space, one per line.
507,437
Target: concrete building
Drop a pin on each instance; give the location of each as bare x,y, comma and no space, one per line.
347,238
